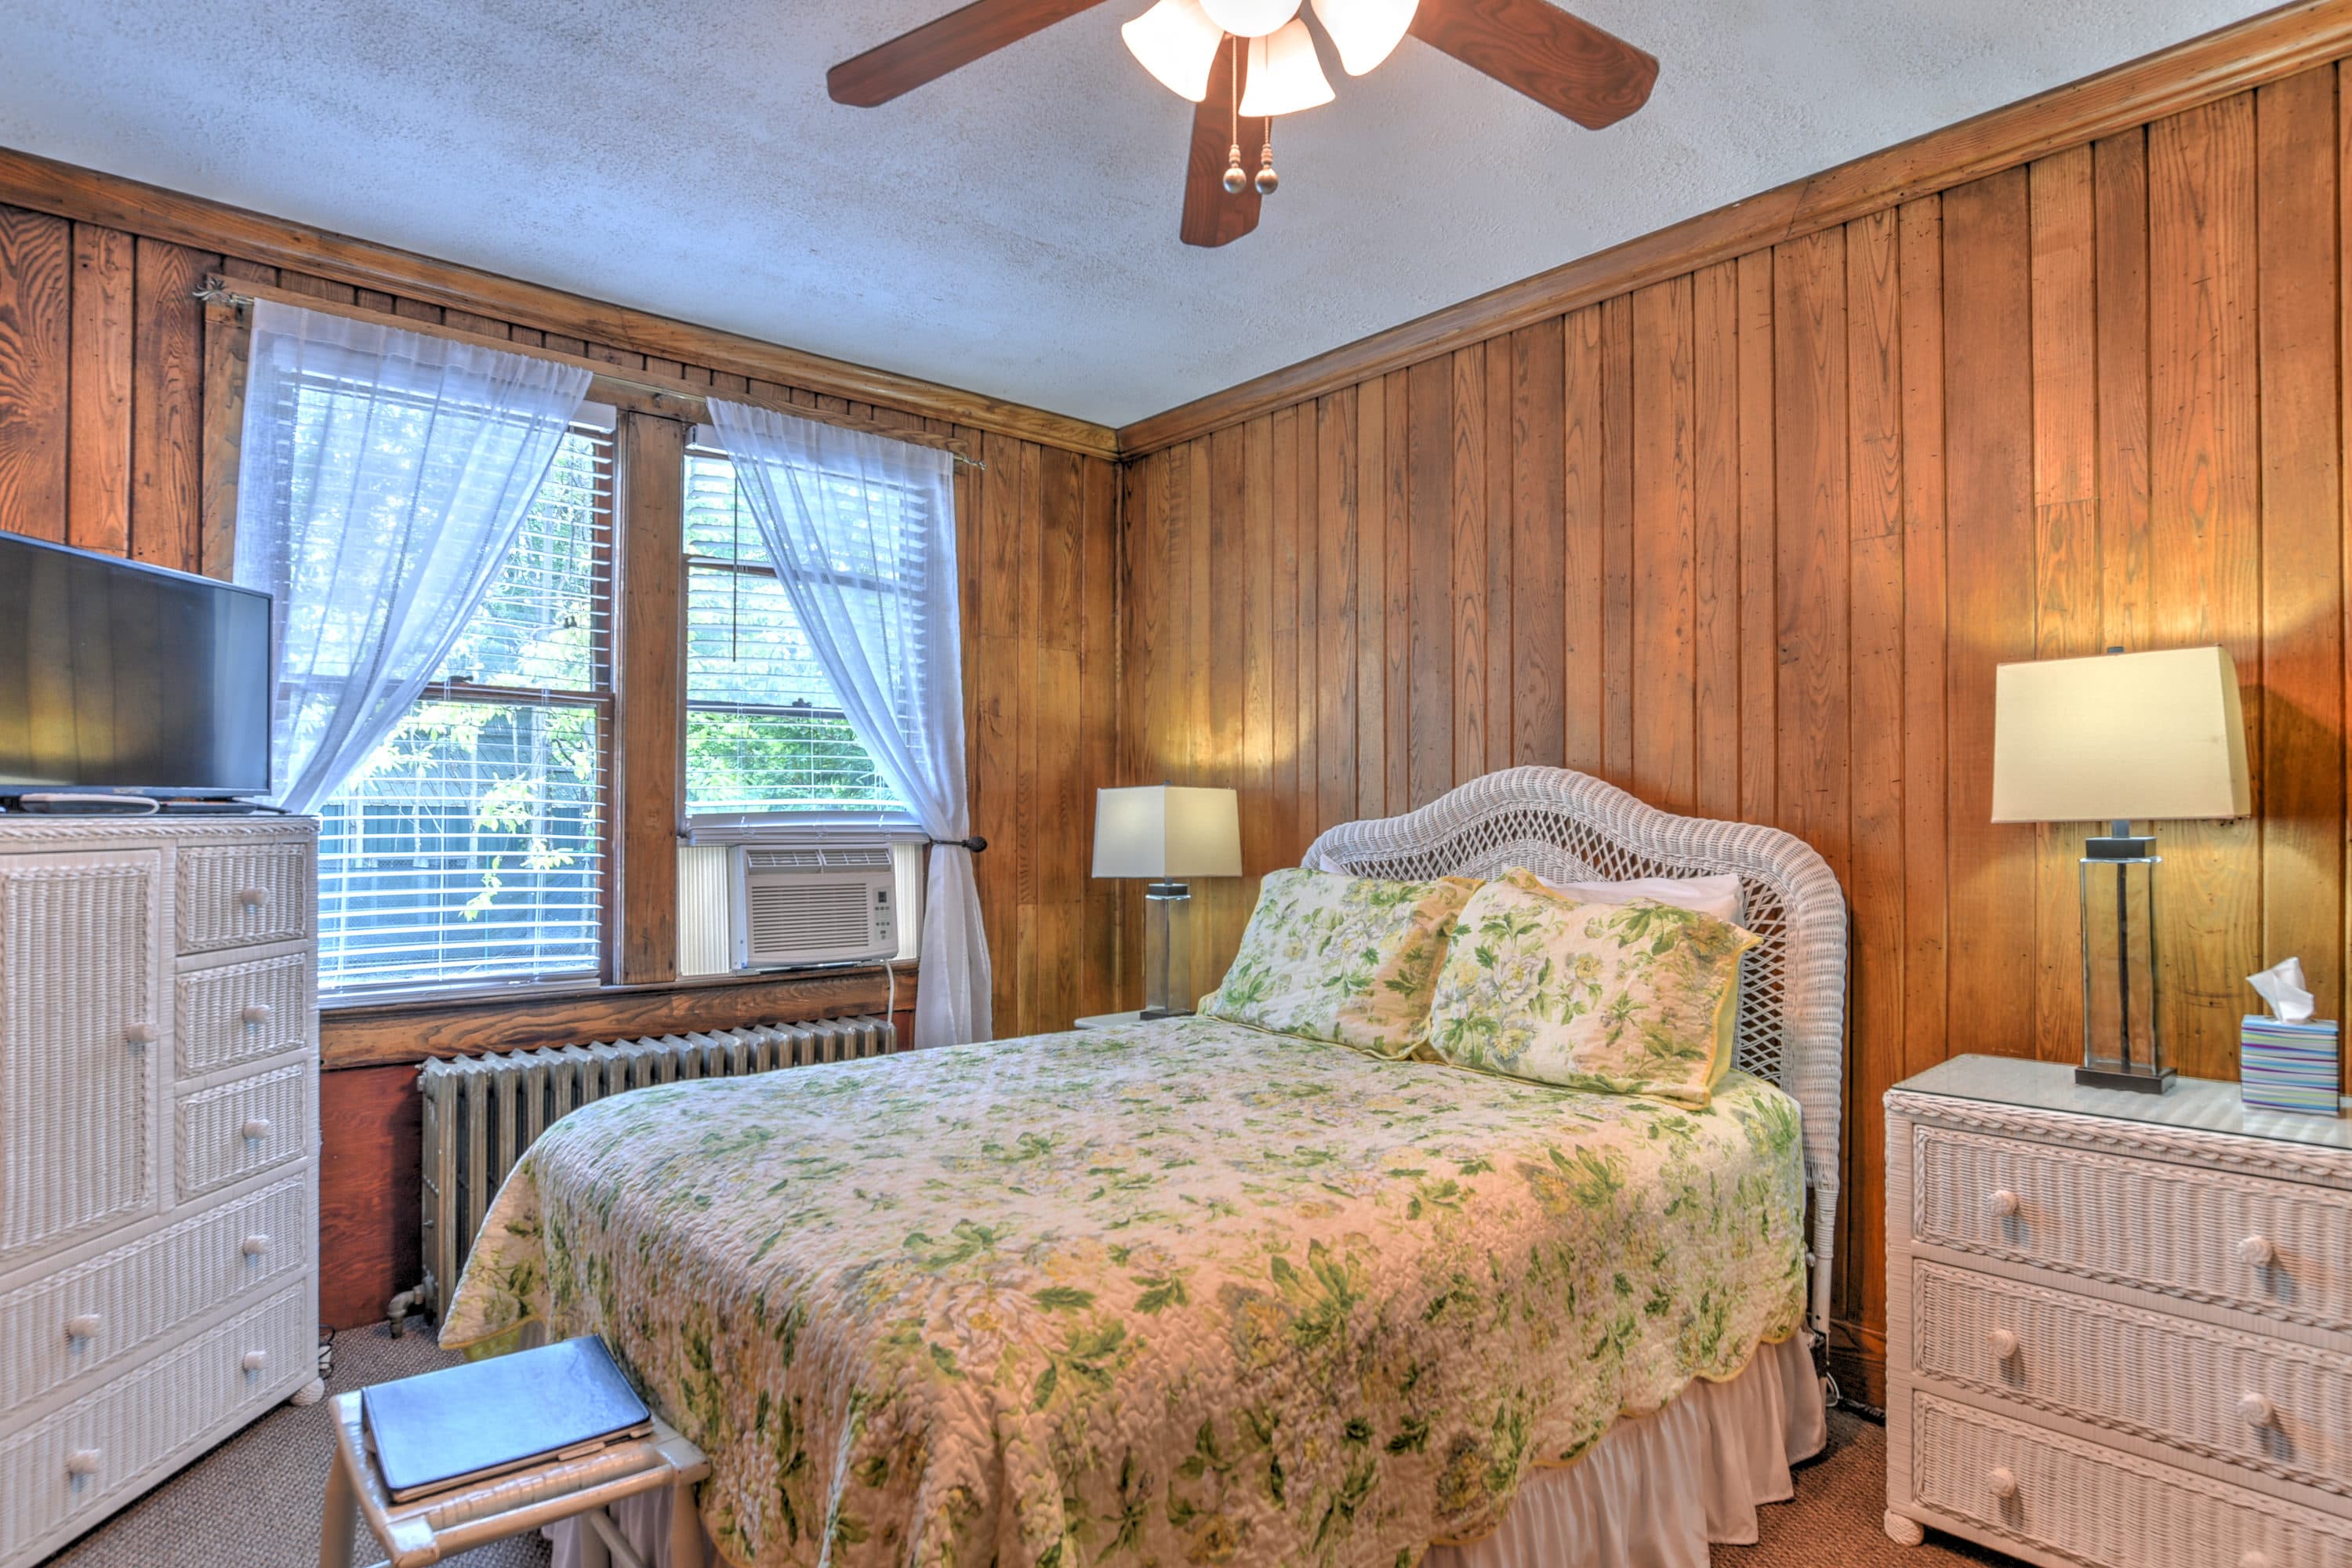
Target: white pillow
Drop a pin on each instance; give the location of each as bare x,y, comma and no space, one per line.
1716,896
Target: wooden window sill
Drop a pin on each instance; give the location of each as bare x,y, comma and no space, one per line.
410,1030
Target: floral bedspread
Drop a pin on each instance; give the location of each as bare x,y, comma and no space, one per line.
1178,1293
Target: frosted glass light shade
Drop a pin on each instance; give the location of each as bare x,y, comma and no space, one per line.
2119,737
1366,31
1166,833
1284,77
1250,18
1177,42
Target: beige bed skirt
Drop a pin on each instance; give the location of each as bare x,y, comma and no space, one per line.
1655,1492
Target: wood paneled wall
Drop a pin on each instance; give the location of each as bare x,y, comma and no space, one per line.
101,402
1751,541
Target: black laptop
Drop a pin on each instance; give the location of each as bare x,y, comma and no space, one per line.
489,1418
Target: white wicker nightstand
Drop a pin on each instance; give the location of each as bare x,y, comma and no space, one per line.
1107,1020
2119,1326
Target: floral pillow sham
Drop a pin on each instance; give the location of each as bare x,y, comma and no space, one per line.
1347,959
1635,998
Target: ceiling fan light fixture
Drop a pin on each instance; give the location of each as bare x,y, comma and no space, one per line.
1366,31
1250,18
1176,41
1284,77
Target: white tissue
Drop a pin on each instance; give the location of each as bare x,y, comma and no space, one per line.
2282,990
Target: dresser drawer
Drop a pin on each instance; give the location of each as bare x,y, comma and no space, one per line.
2042,1489
2277,1249
2282,1409
238,895
82,1323
242,1012
232,1131
83,1461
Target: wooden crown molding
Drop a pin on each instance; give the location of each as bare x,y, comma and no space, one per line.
87,195
2231,60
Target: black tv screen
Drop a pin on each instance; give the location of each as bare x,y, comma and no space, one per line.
119,676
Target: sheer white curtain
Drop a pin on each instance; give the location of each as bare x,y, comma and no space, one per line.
862,529
383,476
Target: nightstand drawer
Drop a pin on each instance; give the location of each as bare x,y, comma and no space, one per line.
2090,1504
2277,1249
2249,1400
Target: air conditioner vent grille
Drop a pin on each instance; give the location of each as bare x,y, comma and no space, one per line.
786,919
871,858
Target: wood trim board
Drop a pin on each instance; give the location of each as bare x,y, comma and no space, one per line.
404,1033
90,197
2262,48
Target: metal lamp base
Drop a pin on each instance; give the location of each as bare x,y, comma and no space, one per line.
2138,1082
1150,1013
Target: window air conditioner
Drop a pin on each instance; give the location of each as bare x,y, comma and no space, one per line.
834,904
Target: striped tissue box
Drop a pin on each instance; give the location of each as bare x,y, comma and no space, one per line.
2287,1066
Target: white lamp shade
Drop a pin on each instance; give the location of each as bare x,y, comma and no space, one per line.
2119,737
1284,77
1250,18
1366,31
1166,833
1176,42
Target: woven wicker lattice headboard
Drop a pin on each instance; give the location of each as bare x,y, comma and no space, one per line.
1570,827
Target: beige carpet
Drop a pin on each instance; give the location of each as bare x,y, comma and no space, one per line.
254,1501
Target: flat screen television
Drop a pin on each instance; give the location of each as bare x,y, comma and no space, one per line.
116,676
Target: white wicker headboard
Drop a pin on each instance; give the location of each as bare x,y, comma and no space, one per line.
1571,826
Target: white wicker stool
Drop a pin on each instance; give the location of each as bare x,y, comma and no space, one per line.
434,1527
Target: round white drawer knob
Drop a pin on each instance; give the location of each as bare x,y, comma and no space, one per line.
2003,1343
2002,1202
138,1034
84,1327
255,1127
2257,1411
2254,1560
255,1012
255,1360
2002,1482
2257,1252
253,898
253,1245
82,1462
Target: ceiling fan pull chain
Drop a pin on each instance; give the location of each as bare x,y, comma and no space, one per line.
1268,181
1236,181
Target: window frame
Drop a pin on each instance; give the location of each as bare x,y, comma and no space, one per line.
643,741
893,819
601,697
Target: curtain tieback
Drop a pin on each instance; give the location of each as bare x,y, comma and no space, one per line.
974,845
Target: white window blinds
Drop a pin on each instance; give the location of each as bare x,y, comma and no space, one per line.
471,849
765,732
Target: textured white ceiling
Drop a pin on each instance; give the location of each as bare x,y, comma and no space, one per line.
1012,228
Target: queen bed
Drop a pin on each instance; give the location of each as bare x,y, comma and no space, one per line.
1188,1292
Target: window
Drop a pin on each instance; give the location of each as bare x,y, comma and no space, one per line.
764,731
471,849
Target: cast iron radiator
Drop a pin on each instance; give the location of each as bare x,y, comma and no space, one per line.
482,1112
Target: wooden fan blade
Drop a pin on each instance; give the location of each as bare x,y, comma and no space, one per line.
935,48
1563,62
1211,217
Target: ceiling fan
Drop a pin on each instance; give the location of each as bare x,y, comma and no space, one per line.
1244,62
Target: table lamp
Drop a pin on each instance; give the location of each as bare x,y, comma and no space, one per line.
2120,737
1166,833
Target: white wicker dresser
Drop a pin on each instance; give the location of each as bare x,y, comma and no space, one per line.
2119,1326
158,1136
